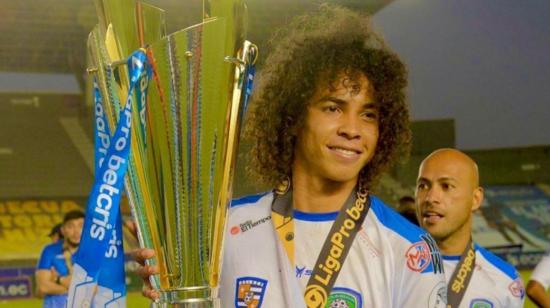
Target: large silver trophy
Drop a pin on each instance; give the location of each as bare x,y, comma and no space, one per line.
184,142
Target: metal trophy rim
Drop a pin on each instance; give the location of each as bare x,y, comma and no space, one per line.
171,296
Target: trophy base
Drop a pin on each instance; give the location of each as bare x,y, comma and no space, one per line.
191,297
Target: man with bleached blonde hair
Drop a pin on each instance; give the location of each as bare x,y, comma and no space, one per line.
447,194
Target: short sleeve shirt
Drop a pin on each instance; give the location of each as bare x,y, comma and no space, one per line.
541,273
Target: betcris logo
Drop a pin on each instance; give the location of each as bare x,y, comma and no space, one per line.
104,201
112,251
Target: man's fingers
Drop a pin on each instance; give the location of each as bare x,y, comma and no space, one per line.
142,254
146,271
132,227
150,293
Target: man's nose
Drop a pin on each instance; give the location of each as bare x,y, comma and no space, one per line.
433,194
349,126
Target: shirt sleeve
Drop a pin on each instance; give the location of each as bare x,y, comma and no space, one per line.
541,273
420,276
516,302
516,294
46,258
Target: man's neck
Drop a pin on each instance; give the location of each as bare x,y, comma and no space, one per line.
456,243
314,195
70,247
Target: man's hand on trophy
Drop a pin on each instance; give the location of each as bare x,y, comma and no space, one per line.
146,271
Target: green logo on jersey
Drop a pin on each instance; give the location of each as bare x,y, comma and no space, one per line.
481,303
343,298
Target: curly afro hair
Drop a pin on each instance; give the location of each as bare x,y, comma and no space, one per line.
317,48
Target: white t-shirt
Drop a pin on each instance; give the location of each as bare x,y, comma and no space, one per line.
494,283
391,263
542,271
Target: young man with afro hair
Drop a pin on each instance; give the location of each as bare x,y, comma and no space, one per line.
329,115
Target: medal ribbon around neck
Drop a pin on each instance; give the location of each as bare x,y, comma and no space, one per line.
461,276
337,243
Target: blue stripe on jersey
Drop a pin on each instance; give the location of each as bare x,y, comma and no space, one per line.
497,262
392,220
451,258
315,216
247,199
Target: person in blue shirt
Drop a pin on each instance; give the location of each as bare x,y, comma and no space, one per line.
53,272
55,233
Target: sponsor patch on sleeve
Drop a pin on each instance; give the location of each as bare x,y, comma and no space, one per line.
250,292
418,256
423,256
516,288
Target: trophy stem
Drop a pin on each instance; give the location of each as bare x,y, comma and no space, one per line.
189,297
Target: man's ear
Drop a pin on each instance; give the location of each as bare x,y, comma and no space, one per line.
478,198
63,230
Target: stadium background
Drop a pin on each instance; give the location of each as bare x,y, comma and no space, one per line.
46,154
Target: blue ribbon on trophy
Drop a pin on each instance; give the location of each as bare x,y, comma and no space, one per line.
141,99
248,85
102,132
112,277
98,273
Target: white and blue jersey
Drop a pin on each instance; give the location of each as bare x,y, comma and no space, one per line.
494,282
391,262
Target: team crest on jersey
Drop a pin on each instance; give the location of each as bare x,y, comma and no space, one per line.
516,287
481,303
344,298
418,256
250,292
438,296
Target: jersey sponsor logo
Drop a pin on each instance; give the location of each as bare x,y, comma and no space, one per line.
302,272
438,296
516,287
315,296
465,268
235,230
250,292
248,225
344,298
481,303
418,256
329,264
